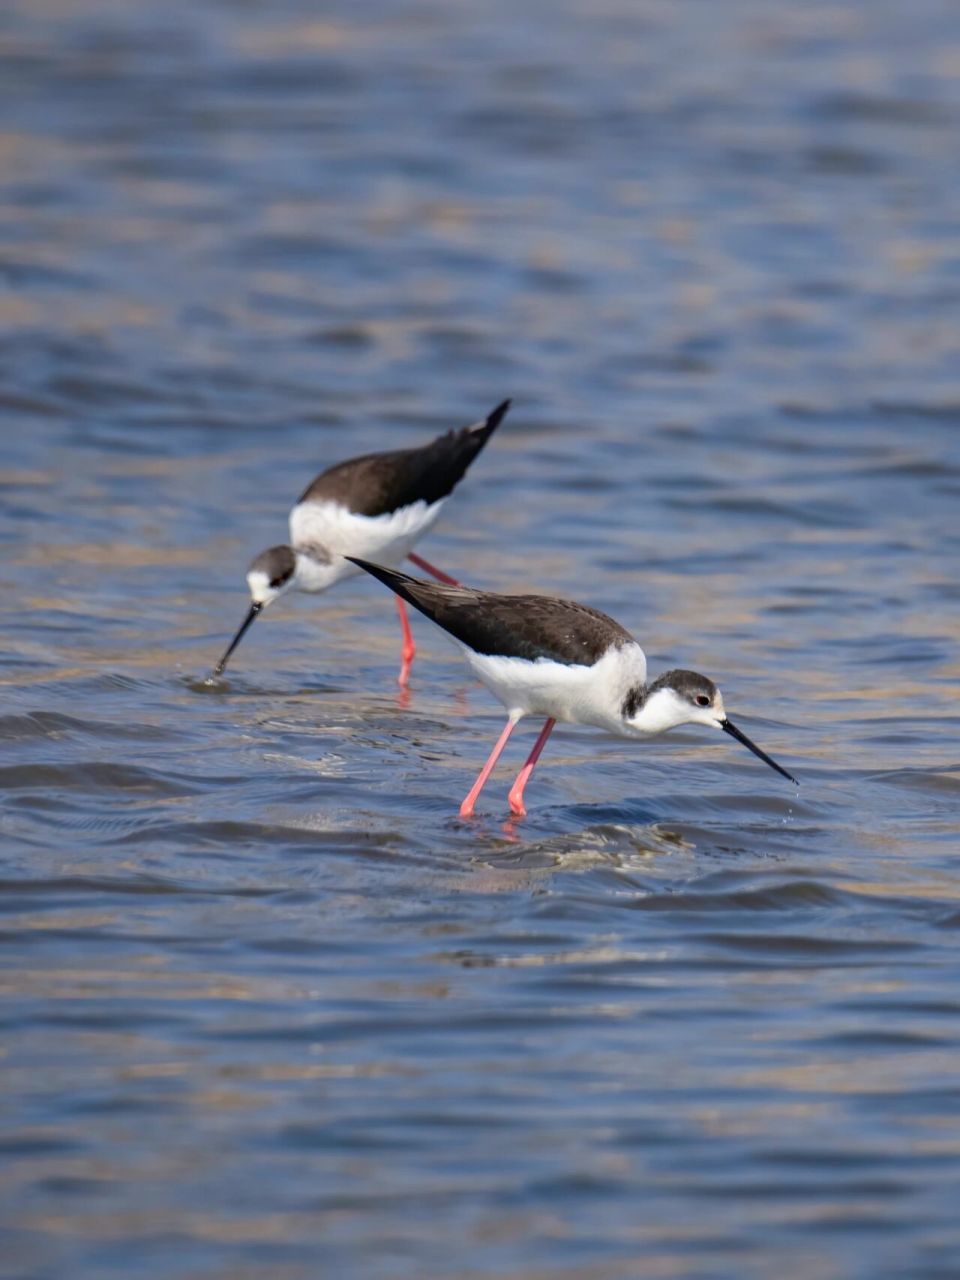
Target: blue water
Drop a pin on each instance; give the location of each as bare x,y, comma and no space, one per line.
269,1008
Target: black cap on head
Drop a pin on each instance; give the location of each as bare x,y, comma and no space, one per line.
702,692
276,563
689,685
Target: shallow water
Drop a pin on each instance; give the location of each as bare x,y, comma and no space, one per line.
268,1007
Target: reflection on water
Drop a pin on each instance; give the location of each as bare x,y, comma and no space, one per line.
268,1005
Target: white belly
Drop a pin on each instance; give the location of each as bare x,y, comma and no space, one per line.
336,532
579,695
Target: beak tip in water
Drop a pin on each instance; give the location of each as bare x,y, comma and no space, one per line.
219,669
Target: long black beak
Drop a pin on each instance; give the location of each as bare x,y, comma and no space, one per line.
729,727
254,610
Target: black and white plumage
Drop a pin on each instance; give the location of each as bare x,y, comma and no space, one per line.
527,627
379,484
376,506
544,656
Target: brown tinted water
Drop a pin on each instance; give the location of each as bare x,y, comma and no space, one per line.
269,1008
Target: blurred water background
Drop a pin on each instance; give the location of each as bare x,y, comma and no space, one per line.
268,1008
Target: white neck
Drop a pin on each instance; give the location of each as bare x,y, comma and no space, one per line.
320,572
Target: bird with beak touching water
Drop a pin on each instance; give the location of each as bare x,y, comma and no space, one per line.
375,506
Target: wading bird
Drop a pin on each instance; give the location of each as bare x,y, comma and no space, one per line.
565,661
376,506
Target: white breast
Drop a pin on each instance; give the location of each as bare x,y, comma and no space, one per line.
579,695
335,531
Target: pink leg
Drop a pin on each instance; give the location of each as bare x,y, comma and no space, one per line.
466,809
409,648
523,777
427,567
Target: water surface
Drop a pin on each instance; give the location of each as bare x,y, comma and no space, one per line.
268,1007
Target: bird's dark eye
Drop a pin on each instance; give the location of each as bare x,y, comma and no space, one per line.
702,700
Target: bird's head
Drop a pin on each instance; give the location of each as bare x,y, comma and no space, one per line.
270,574
680,697
686,697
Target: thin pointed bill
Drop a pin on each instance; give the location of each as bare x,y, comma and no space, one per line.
221,665
729,727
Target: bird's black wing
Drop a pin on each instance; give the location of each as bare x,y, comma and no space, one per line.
528,627
379,483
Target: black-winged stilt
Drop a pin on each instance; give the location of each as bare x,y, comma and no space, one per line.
376,506
562,660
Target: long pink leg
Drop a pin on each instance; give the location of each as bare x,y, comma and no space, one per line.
409,648
466,809
427,567
523,777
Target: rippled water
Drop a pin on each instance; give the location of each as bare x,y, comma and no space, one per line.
268,1007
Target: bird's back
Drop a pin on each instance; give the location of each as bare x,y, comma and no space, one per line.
521,626
380,483
536,654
